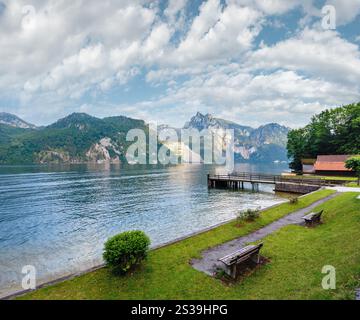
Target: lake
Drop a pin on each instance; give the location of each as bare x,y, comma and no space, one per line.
56,218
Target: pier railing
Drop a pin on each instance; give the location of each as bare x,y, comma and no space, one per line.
272,179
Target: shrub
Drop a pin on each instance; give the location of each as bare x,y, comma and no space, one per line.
354,164
248,215
126,249
294,200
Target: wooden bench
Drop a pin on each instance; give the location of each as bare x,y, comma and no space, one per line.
233,260
313,218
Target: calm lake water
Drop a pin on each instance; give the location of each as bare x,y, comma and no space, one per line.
57,218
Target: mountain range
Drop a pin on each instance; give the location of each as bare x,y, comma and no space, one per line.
264,144
80,137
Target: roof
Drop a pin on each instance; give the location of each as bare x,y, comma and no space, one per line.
331,163
333,158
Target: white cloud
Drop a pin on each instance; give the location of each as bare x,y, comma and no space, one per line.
236,94
210,62
84,47
319,53
156,43
270,6
218,34
125,56
73,70
346,11
56,32
175,12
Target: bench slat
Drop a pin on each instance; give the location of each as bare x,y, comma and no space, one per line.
241,254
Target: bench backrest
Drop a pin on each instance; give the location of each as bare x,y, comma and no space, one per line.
246,251
318,214
313,215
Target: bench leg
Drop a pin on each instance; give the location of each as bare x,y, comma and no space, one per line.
256,258
313,223
308,223
233,271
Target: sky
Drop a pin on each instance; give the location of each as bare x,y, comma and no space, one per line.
249,61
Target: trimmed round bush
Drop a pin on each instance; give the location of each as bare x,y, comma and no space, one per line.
126,249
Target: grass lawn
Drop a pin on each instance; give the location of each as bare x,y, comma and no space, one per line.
336,178
313,176
297,256
352,184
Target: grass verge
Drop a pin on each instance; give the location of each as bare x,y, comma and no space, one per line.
313,176
353,185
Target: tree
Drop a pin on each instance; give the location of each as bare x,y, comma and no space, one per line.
335,131
296,148
353,163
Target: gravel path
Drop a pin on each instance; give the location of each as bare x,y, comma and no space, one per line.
357,294
344,189
209,262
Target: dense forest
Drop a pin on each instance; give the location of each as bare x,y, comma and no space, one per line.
69,139
335,131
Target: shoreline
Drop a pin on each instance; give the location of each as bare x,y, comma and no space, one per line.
170,273
73,275
16,294
19,293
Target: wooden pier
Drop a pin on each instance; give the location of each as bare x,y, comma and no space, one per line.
237,181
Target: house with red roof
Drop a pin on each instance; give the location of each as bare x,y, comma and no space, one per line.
332,165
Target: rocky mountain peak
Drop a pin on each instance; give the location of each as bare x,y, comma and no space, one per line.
14,121
201,121
266,143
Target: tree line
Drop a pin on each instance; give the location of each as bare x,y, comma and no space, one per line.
334,131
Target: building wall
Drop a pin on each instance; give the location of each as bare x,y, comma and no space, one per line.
336,173
308,168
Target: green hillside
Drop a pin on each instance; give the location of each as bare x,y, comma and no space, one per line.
72,139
